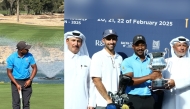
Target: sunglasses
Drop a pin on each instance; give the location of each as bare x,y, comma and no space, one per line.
111,38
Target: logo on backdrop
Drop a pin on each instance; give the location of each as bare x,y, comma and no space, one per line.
99,43
126,44
156,45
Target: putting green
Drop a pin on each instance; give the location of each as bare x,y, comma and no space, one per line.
44,96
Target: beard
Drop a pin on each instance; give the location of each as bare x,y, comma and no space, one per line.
24,53
139,52
180,54
110,48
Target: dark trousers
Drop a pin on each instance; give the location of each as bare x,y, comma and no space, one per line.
141,102
26,94
158,96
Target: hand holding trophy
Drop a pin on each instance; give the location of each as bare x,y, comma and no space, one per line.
157,64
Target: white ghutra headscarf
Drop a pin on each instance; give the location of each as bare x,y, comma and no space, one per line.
180,39
83,49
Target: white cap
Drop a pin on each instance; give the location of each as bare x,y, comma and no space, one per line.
83,49
180,39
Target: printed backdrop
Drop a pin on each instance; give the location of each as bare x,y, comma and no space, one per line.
158,32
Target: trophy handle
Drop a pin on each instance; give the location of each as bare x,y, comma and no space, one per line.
166,52
146,52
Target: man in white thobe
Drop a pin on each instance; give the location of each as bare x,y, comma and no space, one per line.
78,85
178,74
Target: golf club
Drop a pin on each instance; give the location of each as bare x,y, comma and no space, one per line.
20,94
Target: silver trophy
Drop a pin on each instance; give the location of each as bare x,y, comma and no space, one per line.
158,63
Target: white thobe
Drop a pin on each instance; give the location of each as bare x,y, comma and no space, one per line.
179,96
77,82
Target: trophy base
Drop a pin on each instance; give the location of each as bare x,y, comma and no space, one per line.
159,84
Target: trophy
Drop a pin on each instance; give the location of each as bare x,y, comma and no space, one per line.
157,63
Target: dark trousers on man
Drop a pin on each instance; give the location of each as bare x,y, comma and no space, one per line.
26,94
141,102
158,96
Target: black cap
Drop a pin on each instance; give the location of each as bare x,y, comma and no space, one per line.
138,38
109,32
23,45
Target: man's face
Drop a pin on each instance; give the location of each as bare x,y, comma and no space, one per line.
24,51
110,42
180,49
74,44
139,48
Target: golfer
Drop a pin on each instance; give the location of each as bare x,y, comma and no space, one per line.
18,64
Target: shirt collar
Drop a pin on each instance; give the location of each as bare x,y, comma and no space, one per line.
107,54
71,55
181,57
138,58
20,56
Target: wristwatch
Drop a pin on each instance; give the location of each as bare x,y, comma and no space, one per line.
30,79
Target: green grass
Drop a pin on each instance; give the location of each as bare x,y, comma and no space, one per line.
44,96
46,35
